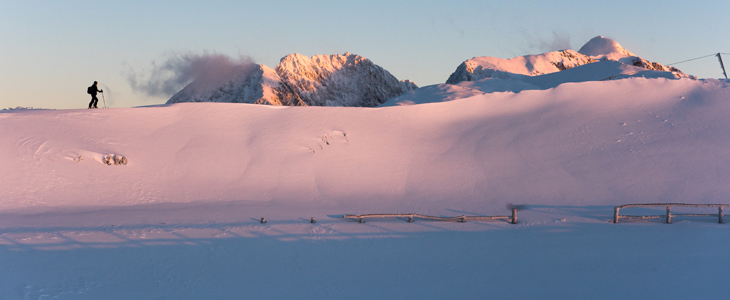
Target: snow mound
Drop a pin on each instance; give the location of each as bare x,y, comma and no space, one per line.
433,93
298,80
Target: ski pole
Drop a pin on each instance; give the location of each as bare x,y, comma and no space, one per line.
103,99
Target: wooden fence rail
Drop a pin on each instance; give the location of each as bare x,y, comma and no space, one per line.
669,215
412,217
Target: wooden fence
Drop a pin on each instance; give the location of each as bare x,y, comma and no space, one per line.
412,217
669,215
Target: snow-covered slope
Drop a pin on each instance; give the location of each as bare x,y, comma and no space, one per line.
323,80
552,145
181,219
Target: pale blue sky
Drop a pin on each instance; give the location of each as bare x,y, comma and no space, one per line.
50,51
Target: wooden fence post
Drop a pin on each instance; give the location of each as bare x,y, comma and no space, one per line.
514,215
615,214
669,214
720,214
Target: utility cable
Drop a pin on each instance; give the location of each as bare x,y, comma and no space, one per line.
713,54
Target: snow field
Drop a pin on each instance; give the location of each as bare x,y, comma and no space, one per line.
179,220
634,140
544,257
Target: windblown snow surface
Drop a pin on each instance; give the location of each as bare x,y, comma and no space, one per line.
181,219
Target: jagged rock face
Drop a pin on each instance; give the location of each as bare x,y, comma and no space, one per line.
323,80
640,62
532,65
597,49
338,80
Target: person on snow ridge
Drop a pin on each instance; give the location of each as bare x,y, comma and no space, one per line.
93,90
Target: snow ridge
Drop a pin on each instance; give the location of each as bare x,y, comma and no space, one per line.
298,80
492,67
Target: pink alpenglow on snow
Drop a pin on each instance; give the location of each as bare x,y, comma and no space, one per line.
600,48
583,143
298,80
219,200
598,60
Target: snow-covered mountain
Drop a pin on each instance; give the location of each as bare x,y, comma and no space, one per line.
298,80
599,59
492,67
597,49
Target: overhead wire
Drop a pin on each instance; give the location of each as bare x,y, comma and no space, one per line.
714,54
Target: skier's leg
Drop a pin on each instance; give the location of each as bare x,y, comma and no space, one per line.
91,104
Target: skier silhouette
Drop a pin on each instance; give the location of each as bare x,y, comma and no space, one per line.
93,90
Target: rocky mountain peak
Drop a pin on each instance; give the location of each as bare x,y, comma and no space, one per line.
322,80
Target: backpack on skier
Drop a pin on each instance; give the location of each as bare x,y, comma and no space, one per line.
89,90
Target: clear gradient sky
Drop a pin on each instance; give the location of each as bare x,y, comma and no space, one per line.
50,51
